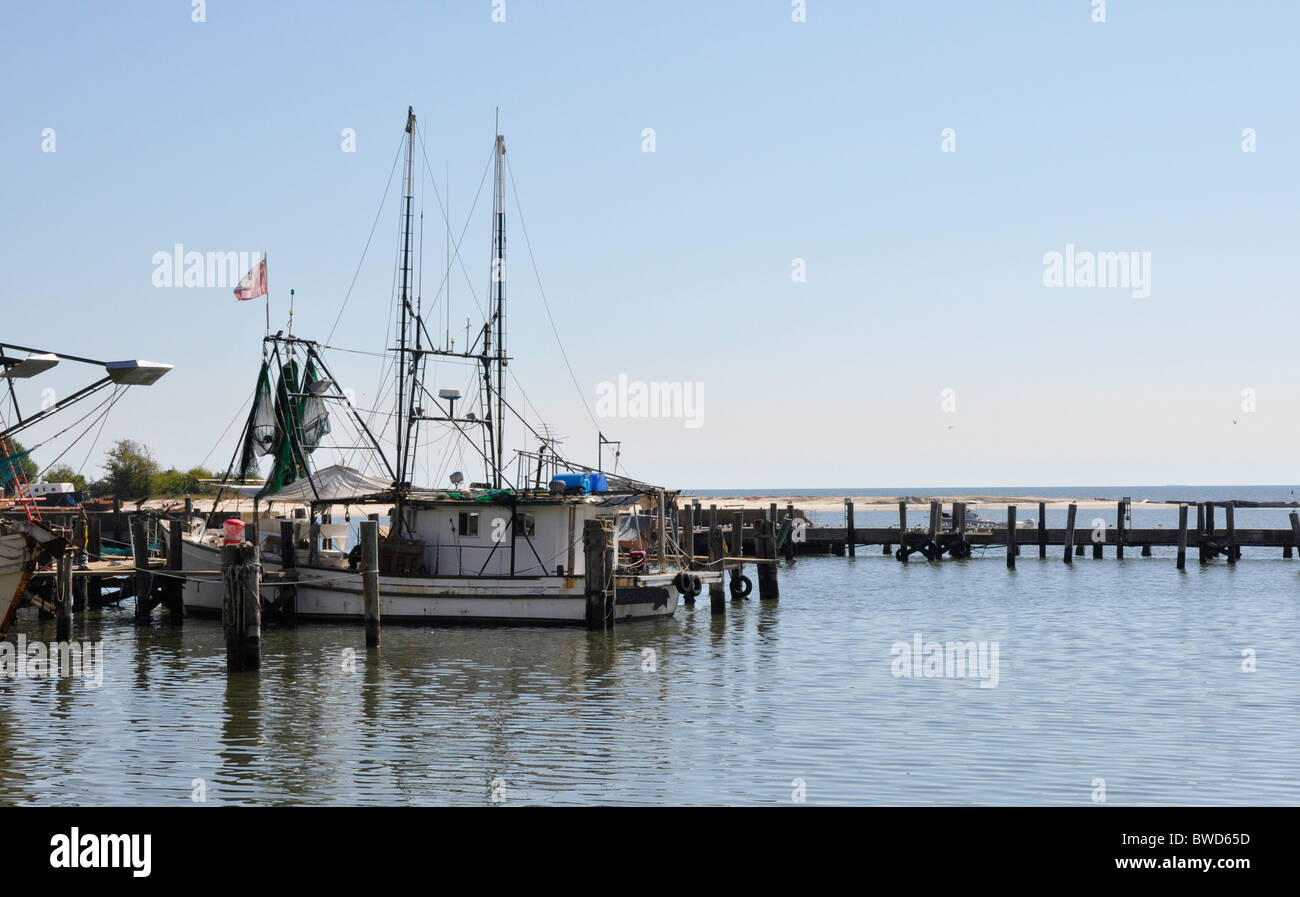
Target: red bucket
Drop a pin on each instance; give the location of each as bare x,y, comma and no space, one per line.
234,529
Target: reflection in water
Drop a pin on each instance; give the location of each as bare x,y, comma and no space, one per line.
1127,672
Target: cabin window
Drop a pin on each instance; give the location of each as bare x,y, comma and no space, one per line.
525,525
467,525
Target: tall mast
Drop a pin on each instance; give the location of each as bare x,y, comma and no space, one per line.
499,283
405,302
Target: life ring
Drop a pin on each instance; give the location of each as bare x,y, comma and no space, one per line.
741,586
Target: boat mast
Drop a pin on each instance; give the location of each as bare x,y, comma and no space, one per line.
405,303
499,283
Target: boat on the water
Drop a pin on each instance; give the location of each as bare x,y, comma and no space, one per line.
505,549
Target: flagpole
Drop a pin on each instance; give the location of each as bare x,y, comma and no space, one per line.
267,268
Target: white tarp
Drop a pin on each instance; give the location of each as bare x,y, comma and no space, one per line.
336,484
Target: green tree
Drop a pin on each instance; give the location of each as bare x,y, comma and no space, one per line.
177,482
65,474
18,459
129,470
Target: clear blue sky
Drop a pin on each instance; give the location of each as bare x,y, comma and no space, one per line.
774,141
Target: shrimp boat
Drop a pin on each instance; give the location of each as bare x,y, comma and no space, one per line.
506,549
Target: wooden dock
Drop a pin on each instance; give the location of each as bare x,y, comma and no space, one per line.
952,535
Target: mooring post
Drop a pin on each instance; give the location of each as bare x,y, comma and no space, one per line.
1119,529
1232,532
737,549
1182,536
232,607
1295,527
1146,551
1042,529
961,549
771,514
370,578
767,567
1096,546
688,540
79,540
63,599
1011,537
94,538
250,569
716,591
851,531
713,516
902,531
1200,530
143,577
936,524
1069,531
176,564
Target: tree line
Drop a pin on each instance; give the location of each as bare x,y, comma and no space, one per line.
129,472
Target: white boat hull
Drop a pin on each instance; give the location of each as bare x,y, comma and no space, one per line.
335,594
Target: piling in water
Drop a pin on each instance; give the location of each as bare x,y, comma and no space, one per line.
370,579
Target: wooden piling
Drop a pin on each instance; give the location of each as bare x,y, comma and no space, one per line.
370,579
143,577
176,564
716,591
241,606
788,529
738,534
1182,536
1069,531
1230,522
688,540
1119,530
94,538
767,573
1200,531
1295,526
902,531
852,534
936,525
960,549
117,519
1146,551
1011,537
79,584
713,516
1042,529
63,596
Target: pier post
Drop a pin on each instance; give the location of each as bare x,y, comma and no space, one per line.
771,514
79,540
713,516
852,533
716,591
1200,530
788,529
767,567
1146,551
143,577
738,548
241,607
1069,531
1042,529
661,527
1011,537
688,541
960,549
175,587
936,524
1232,532
1182,536
94,538
1295,526
117,519
1096,549
286,596
902,531
1119,529
63,596
370,579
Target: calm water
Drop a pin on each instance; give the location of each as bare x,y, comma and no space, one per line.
1127,671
